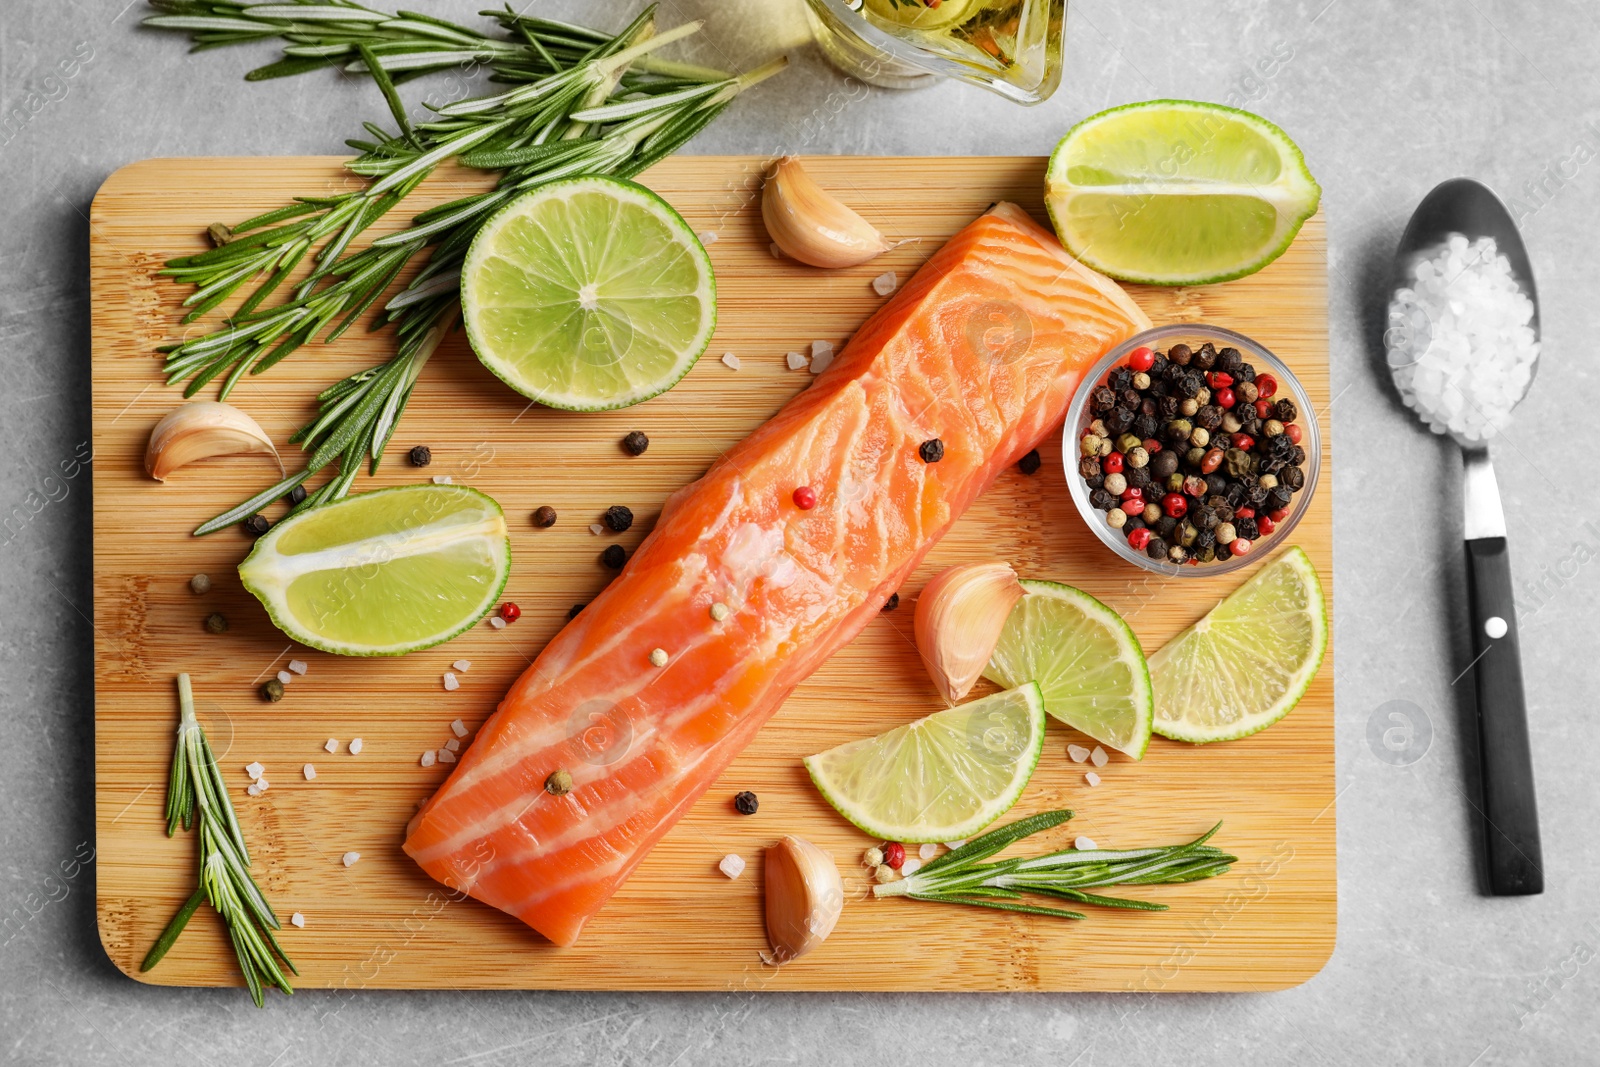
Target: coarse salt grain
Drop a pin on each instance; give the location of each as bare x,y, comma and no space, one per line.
885,283
928,851
253,789
443,479
332,745
355,746
731,865
1085,844
596,529
1092,778
821,356
497,622
953,845
428,757
446,756
707,237
298,919
263,785
453,745
254,770
462,665
910,866
310,772
777,253
730,360
285,677
450,683
796,361
1077,753
458,728
298,666
1461,343
1098,757
350,858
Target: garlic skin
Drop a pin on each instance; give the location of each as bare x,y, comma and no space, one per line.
201,429
804,897
811,224
960,615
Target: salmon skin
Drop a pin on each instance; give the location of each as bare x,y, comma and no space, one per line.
981,349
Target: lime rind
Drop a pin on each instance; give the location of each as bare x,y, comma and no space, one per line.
972,760
272,577
612,282
1044,642
1189,658
1291,193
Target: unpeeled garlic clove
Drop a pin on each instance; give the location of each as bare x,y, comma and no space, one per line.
811,224
200,429
804,897
960,615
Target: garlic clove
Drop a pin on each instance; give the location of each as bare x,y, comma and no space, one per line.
199,430
959,619
811,224
804,897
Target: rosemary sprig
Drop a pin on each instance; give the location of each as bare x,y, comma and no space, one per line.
961,877
583,103
197,793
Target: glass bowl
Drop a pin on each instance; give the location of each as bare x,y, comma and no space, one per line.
1162,338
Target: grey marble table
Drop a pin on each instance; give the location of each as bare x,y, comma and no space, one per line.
1387,97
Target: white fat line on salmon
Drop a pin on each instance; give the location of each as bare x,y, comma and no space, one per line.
385,549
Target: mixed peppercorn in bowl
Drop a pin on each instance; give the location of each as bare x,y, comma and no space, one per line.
1189,448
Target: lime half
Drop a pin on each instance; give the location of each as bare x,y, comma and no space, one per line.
1178,192
385,572
942,778
588,294
1087,662
1247,663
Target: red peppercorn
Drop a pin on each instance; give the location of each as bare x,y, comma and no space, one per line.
1266,385
1139,538
1133,492
1266,409
1239,546
1279,515
1243,442
1141,359
1151,445
1112,464
1246,512
1265,525
1293,432
894,854
1219,379
510,612
1224,398
805,498
1175,504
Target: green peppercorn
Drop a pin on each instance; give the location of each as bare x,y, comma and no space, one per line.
1089,445
1128,442
1180,428
1194,456
272,691
216,623
1206,554
1238,462
1187,532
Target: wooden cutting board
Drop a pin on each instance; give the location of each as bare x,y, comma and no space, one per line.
678,923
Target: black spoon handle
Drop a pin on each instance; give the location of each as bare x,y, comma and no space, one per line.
1510,813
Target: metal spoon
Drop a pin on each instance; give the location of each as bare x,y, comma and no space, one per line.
1510,814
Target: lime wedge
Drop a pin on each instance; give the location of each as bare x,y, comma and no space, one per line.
1247,663
383,573
1087,662
588,294
1178,192
942,778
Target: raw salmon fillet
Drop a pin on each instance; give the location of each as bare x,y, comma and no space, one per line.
982,349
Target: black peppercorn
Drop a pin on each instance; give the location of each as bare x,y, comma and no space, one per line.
1216,485
1135,522
420,455
1205,358
1102,500
1285,410
1277,447
1224,512
1180,354
1158,389
1205,518
216,623
617,518
1204,539
256,525
572,612
1245,373
272,691
1156,548
1163,463
745,803
1137,477
297,494
1095,481
1130,399
1029,464
635,443
931,450
1146,426
1292,478
1208,418
1120,379
1089,466
1246,528
1119,420
1148,406
1102,400
1280,496
1164,526
614,557
1256,497
544,517
1228,361
1298,456
892,603
1167,408
1235,495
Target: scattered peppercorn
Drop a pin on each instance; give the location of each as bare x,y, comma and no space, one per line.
614,557
635,443
892,603
200,584
256,525
510,612
617,518
894,854
572,612
297,495
559,784
420,455
745,803
272,691
1029,464
931,450
544,517
216,623
805,498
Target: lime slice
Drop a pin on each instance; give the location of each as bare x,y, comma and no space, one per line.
1087,662
942,778
1177,192
383,573
1246,664
588,294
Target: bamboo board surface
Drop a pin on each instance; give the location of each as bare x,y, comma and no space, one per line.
678,923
